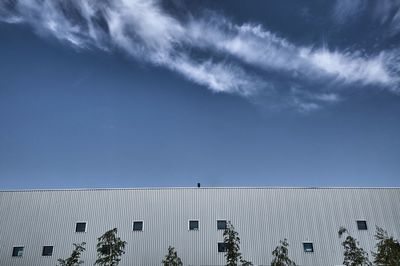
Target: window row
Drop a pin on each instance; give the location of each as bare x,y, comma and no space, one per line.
308,247
48,250
19,251
194,225
81,227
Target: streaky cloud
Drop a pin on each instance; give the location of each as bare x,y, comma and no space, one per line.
346,10
256,46
385,12
352,67
241,59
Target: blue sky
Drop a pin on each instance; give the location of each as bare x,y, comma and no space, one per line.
132,93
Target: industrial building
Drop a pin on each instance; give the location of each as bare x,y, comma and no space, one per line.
39,226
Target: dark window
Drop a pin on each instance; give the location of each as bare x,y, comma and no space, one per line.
137,226
193,225
221,247
308,247
221,224
80,227
18,251
47,251
362,225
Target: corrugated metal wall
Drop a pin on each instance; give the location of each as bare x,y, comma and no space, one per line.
262,216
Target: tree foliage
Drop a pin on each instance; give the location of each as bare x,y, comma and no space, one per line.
110,248
244,262
172,259
74,259
280,254
232,241
388,252
354,255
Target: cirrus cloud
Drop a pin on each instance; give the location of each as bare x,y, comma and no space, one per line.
210,50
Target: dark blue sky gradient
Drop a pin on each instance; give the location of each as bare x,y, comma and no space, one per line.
86,118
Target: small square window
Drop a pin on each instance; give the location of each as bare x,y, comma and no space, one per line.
47,251
193,225
221,247
362,225
18,251
137,226
308,247
221,224
80,227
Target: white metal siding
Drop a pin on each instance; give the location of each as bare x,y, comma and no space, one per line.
262,216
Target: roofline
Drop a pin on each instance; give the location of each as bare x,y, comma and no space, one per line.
183,188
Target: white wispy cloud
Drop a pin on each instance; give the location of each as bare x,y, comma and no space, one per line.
388,12
210,50
385,12
307,101
140,28
345,10
220,77
254,45
350,67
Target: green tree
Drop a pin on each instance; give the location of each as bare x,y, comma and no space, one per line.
110,248
354,255
172,259
73,260
232,241
245,262
388,253
281,255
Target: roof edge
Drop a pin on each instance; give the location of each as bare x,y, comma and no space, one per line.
184,188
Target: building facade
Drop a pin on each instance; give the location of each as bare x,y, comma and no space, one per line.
39,226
